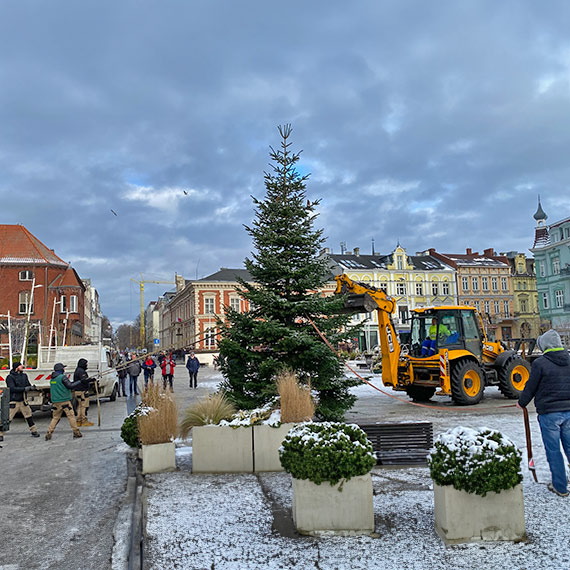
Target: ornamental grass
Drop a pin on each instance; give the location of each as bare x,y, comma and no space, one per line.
207,411
297,404
158,416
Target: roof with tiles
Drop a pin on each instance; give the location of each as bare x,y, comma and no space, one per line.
366,262
225,274
19,247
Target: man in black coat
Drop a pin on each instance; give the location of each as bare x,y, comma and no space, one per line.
19,384
549,385
82,392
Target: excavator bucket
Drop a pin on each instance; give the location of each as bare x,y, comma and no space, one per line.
359,304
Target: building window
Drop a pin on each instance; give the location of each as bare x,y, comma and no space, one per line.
541,268
494,283
556,266
567,232
400,264
26,275
419,288
477,305
63,304
559,295
497,307
384,287
506,308
465,283
403,312
73,304
504,284
210,339
400,288
434,289
475,283
445,287
234,304
23,300
524,285
485,283
209,303
545,300
487,307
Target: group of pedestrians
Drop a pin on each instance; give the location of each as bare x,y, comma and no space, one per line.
62,390
132,366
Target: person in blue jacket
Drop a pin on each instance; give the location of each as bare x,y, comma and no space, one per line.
193,365
549,385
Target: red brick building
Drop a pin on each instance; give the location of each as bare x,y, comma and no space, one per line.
35,281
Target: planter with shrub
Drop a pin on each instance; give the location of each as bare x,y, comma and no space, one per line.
228,441
477,486
332,487
157,425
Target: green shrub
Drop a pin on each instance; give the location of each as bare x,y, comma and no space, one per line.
326,451
130,430
476,461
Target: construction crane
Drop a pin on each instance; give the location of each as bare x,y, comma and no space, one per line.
142,284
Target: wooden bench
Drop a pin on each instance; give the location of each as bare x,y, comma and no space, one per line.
400,443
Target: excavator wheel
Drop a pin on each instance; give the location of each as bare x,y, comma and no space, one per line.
513,377
420,393
467,383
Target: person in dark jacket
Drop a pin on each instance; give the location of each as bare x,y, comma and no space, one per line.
193,365
19,384
82,393
60,393
549,385
122,374
134,369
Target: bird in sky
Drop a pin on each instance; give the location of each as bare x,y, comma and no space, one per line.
114,212
185,193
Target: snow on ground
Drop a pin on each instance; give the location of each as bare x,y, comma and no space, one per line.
226,522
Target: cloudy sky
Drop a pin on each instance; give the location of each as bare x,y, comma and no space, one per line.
432,123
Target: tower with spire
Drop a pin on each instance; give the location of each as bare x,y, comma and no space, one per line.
541,234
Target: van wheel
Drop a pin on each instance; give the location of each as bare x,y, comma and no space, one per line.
513,377
467,383
113,395
420,393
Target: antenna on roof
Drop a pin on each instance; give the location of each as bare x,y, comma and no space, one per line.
373,252
342,247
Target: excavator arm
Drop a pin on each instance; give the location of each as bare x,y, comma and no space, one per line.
363,298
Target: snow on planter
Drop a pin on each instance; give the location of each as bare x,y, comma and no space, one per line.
477,489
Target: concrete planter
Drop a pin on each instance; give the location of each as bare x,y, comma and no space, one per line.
158,457
325,510
222,449
266,443
466,517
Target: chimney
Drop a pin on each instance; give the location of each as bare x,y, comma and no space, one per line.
489,252
468,251
179,281
325,251
357,251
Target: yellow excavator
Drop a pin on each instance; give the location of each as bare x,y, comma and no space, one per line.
448,349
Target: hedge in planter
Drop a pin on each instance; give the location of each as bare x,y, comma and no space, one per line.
327,451
475,461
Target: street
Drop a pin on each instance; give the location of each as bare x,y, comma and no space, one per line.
60,499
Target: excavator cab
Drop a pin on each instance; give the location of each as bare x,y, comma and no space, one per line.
449,328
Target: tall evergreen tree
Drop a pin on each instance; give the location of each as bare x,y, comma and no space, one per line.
287,275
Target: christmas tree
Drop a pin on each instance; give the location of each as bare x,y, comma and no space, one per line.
287,274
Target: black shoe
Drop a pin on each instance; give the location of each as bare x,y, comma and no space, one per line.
35,434
1,438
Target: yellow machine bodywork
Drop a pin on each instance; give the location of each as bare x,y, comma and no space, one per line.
461,371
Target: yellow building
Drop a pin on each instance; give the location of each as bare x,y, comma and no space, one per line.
413,280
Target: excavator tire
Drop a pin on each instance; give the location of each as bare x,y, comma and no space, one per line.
420,393
513,377
467,383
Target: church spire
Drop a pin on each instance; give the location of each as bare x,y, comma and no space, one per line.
541,233
540,213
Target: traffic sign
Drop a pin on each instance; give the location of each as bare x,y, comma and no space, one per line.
156,341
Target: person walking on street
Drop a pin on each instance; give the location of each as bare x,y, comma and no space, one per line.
148,366
122,374
193,365
549,385
60,393
167,366
82,393
19,385
134,369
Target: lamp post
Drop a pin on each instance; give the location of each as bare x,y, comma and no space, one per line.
30,304
51,329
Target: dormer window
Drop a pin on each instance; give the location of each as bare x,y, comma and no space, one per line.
26,275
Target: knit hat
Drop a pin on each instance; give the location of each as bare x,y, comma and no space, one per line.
550,339
59,367
15,365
